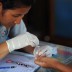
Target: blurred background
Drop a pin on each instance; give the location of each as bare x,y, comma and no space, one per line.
51,21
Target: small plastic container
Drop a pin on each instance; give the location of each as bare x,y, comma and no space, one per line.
45,50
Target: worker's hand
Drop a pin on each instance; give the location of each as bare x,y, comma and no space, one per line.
46,62
22,41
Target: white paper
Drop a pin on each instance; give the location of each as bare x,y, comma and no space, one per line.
21,61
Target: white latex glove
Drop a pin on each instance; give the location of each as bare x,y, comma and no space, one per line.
22,41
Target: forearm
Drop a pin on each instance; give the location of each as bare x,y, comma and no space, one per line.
63,68
28,49
3,50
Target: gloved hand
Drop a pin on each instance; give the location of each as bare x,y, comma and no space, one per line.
21,41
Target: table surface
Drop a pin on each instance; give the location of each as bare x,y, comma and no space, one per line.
64,54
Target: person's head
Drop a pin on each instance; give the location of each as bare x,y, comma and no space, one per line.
12,11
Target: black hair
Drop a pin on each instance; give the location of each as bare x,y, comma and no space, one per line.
12,4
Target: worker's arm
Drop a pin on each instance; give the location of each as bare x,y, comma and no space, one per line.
3,50
27,49
48,62
18,42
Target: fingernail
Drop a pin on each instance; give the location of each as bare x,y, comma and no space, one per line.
35,58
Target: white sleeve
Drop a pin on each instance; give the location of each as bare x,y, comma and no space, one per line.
18,29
